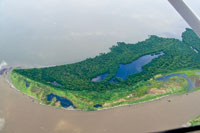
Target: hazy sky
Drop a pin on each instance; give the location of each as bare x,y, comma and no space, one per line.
45,32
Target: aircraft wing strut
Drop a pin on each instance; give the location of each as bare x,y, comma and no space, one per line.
186,12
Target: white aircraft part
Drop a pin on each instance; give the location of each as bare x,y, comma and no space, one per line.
186,12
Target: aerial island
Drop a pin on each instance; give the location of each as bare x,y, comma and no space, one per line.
128,74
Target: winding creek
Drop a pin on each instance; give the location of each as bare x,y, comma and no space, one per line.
166,78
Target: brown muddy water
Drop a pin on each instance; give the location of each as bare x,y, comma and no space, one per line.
21,114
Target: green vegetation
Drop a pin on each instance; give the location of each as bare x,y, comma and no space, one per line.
75,79
195,121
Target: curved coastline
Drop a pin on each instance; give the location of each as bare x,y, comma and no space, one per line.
72,109
110,119
31,97
101,109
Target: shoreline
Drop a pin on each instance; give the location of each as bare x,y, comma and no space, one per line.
98,110
135,114
31,97
70,108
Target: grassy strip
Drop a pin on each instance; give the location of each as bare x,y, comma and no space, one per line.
152,97
195,121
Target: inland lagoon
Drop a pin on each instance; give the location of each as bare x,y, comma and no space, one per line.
128,69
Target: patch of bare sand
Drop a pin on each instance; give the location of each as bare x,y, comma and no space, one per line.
156,91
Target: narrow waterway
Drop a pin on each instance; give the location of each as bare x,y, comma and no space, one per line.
190,84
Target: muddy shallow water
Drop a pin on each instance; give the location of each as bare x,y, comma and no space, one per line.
22,114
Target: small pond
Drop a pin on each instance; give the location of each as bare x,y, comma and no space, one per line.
97,105
27,83
63,101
